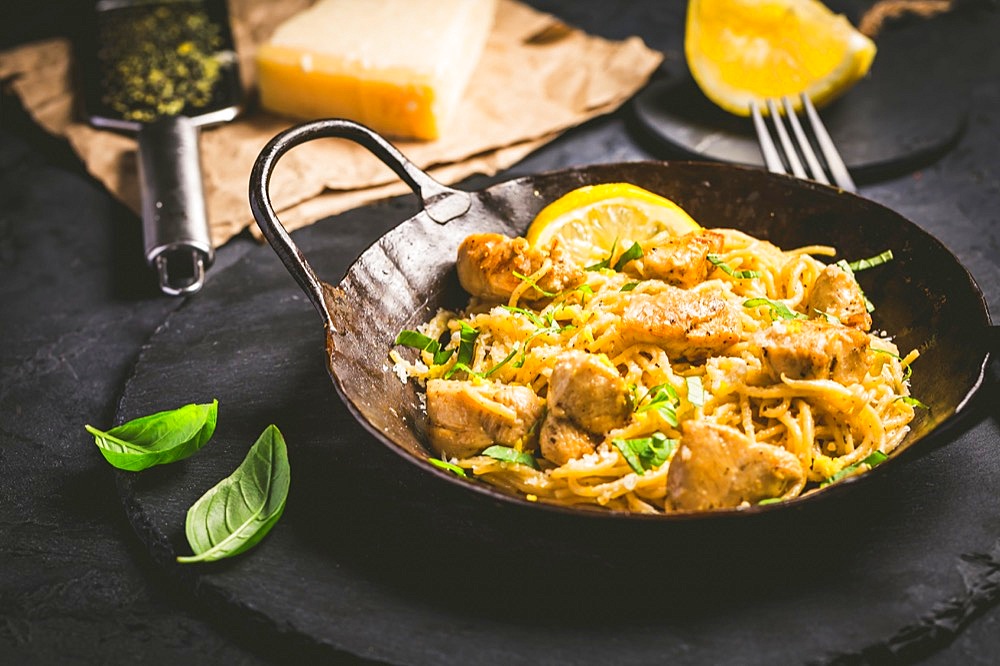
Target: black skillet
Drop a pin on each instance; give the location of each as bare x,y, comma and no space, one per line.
924,297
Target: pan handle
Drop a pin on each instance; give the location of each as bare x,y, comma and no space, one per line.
442,204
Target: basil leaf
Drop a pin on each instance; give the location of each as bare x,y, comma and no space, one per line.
696,392
846,267
603,263
913,402
778,309
157,439
646,453
242,508
508,454
716,260
534,318
451,467
664,399
631,254
873,459
770,500
871,262
417,340
629,287
467,343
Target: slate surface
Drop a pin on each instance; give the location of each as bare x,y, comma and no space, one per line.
77,585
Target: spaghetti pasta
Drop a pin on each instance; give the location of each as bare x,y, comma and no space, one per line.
739,388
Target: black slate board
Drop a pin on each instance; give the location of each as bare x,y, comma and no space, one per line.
908,110
374,559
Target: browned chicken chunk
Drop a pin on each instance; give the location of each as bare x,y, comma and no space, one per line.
814,349
837,293
466,418
487,263
586,398
681,261
717,466
686,324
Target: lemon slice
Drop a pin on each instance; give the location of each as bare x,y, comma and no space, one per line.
743,50
591,220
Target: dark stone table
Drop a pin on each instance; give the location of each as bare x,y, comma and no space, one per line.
78,585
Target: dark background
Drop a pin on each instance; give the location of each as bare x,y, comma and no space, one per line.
76,305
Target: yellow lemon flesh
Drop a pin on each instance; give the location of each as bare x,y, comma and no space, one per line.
744,50
595,221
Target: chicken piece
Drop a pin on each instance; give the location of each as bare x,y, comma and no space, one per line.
487,263
685,324
717,466
466,418
814,349
680,261
586,398
837,293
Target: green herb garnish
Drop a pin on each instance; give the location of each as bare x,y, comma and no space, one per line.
511,455
533,285
451,467
241,509
629,287
159,438
664,399
716,260
778,309
871,262
417,340
769,500
467,343
911,401
646,453
603,263
631,254
874,459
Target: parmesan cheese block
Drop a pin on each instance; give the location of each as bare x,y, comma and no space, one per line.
398,66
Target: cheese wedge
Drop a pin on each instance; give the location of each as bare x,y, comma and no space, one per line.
398,66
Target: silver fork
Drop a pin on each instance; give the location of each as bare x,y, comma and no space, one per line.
801,146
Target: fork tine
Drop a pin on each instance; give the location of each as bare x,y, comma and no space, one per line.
829,150
800,136
767,148
786,142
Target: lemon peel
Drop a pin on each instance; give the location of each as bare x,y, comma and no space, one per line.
591,220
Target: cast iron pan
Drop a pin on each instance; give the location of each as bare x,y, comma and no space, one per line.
924,297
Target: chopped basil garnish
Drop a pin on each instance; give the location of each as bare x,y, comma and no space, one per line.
778,309
769,500
907,370
646,453
696,392
912,402
451,467
603,263
664,399
830,319
508,454
871,262
716,260
417,340
846,267
631,254
875,458
467,343
629,287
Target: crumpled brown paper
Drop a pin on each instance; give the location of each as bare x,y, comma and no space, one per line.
537,78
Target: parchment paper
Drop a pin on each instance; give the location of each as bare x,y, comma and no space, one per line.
537,78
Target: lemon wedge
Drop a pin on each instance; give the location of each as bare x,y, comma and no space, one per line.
592,220
743,50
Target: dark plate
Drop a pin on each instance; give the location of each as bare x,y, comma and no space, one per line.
905,113
375,558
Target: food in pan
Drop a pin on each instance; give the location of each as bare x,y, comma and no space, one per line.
624,357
